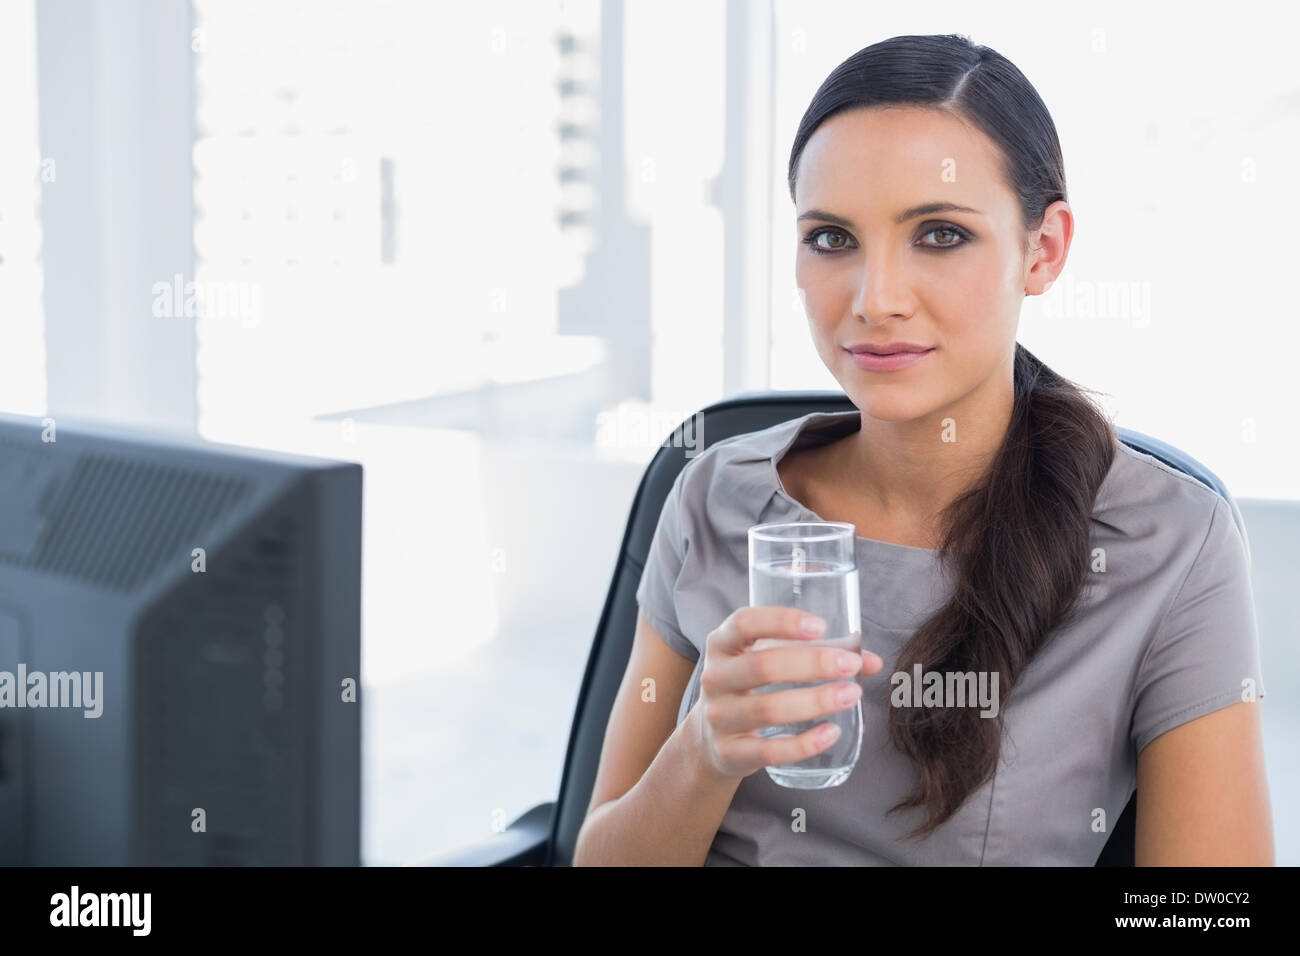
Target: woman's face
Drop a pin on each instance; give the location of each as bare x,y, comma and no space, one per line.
876,267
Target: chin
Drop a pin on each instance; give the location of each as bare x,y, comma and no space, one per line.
887,408
893,414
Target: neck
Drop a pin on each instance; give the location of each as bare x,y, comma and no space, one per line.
912,470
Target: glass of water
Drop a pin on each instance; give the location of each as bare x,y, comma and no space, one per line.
811,565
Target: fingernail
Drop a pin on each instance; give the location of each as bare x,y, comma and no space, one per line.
813,625
847,662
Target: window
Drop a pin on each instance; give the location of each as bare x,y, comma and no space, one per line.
472,247
1169,302
23,173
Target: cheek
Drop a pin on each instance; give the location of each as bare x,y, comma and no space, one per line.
974,300
979,276
826,289
819,300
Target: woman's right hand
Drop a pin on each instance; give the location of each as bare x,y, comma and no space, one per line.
729,712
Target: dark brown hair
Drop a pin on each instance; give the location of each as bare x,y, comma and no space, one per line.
1017,543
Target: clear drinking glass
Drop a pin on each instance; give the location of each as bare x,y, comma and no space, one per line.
811,565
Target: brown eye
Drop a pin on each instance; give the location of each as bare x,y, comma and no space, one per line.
811,241
958,237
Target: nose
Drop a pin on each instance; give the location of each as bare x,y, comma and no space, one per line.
883,290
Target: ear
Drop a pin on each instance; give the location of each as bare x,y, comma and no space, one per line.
1051,245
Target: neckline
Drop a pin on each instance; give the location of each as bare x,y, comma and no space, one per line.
833,424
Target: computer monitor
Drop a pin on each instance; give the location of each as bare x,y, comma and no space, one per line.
179,651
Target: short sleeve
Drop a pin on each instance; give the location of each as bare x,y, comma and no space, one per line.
1205,653
663,565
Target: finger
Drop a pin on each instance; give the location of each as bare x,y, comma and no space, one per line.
780,665
740,713
872,663
778,751
747,625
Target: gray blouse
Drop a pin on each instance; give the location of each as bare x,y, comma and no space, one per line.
1165,634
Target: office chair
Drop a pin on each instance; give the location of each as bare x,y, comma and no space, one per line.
547,834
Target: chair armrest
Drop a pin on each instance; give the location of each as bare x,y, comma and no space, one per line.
523,843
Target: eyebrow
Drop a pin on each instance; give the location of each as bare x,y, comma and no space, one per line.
925,209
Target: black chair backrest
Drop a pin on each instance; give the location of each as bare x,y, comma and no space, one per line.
747,412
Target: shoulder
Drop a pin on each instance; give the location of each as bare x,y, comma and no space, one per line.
737,465
1180,556
1142,499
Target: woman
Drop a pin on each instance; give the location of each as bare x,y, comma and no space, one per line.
1002,530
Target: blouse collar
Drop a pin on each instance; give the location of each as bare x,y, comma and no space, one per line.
757,480
890,570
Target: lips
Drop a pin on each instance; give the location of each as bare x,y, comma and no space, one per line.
892,348
892,362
